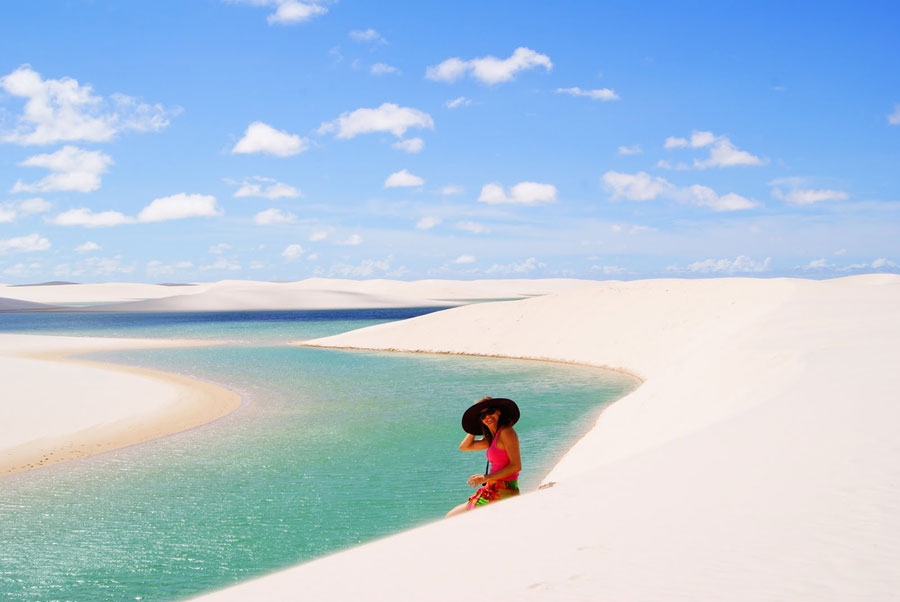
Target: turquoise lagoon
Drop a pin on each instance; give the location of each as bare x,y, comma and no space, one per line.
329,449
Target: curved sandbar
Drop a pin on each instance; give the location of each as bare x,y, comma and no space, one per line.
57,409
758,461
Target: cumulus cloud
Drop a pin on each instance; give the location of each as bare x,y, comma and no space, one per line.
11,210
808,196
411,145
367,35
894,118
24,244
179,206
489,69
642,186
87,247
366,268
155,267
386,118
383,69
318,235
741,264
22,269
473,227
460,101
293,251
266,188
62,110
528,265
72,169
722,152
220,248
89,219
452,189
464,259
523,193
630,150
273,216
263,138
288,12
351,241
402,179
428,222
222,264
599,94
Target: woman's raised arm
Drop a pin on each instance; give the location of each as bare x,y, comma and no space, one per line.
469,443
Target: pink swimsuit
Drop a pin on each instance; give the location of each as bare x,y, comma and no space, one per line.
499,458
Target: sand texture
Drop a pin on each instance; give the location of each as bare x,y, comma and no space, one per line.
758,460
57,409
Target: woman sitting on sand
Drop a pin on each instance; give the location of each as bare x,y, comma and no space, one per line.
493,419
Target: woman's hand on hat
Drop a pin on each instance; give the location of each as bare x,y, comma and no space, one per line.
476,480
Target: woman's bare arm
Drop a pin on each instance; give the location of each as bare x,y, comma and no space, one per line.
469,443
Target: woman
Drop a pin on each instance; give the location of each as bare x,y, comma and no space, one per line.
493,419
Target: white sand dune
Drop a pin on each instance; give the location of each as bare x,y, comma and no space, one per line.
56,409
758,461
19,305
312,293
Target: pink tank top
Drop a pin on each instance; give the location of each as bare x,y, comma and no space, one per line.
499,458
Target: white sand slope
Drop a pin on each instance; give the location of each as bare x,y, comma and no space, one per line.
758,461
109,292
55,409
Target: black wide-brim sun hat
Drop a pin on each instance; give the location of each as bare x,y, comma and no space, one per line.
471,421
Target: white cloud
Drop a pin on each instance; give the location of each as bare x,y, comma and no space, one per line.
222,263
599,94
894,118
87,247
460,101
179,206
317,236
24,244
289,12
87,218
22,269
263,138
367,35
412,145
883,262
464,259
386,118
630,150
62,110
266,188
366,268
401,179
155,267
523,193
707,197
351,241
722,153
428,222
489,69
71,168
452,189
679,165
382,69
473,227
741,264
805,196
273,216
528,265
608,270
644,187
292,251
220,248
634,187
817,264
10,210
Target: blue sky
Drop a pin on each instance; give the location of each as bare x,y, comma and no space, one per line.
279,139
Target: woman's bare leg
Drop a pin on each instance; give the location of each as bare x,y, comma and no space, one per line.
458,510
